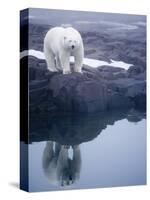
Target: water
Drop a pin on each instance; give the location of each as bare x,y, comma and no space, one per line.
104,150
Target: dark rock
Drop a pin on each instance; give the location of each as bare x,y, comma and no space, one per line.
140,101
73,129
38,93
127,92
119,75
88,92
119,101
91,73
111,69
133,71
136,89
111,73
135,115
107,75
94,98
37,68
141,76
75,92
137,92
39,96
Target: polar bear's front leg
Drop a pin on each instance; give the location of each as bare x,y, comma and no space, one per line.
78,56
65,62
62,162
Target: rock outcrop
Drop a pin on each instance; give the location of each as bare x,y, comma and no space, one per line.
95,90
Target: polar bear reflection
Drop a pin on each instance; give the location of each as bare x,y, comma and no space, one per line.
58,167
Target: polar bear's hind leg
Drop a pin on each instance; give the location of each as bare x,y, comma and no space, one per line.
50,59
58,64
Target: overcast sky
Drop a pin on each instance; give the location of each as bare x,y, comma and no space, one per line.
47,16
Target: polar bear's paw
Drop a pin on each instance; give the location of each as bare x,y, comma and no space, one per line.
75,146
66,72
66,146
78,70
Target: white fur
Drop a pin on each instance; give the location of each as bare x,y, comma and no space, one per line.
61,43
56,164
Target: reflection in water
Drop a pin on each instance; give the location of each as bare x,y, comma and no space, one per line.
57,142
74,129
58,167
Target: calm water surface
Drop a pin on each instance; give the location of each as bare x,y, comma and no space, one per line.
68,152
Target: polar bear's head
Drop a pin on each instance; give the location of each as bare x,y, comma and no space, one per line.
71,43
71,39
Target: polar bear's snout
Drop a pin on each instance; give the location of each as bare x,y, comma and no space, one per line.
71,44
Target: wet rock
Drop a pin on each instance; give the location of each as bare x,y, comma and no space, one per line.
73,129
119,101
141,76
134,70
37,68
137,92
88,92
136,89
111,69
75,92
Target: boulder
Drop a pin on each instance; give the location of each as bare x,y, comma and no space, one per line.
75,92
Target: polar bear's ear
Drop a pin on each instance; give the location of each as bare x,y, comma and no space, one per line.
65,37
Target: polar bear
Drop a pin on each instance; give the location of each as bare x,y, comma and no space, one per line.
58,167
61,43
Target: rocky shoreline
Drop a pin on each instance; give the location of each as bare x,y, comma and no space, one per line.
96,90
